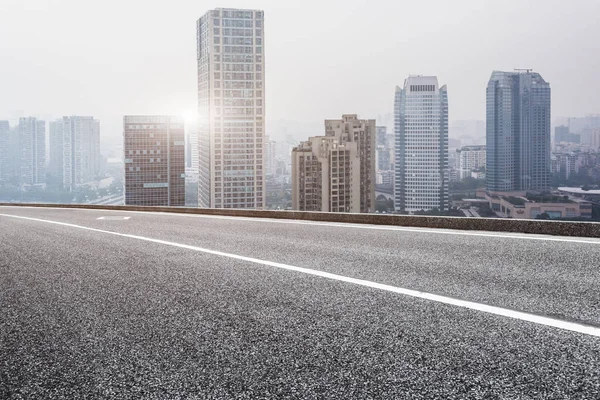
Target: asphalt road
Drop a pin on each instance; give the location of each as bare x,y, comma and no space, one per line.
164,306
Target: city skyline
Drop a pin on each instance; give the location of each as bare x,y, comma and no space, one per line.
174,91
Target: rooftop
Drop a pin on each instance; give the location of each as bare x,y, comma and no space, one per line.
577,190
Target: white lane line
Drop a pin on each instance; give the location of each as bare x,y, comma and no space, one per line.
526,236
114,218
504,312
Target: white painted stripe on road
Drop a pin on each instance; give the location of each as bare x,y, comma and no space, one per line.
114,218
504,312
501,235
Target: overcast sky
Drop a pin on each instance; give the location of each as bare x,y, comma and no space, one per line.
108,58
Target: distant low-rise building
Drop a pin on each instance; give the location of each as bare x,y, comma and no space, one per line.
154,152
522,206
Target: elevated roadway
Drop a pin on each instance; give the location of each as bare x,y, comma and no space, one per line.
119,304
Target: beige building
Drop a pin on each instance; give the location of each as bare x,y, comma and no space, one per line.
521,206
336,172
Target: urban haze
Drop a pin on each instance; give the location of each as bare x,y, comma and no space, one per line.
309,200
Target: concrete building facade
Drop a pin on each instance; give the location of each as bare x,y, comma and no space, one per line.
154,153
231,101
518,132
336,172
421,162
517,205
74,150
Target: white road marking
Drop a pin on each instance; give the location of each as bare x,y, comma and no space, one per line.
502,235
114,218
504,312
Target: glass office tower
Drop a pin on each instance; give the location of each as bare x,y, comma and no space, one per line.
518,132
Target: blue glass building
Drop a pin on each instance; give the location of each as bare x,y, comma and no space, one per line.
518,132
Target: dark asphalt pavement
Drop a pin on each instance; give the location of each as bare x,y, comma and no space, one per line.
87,314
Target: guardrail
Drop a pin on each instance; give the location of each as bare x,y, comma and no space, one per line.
541,227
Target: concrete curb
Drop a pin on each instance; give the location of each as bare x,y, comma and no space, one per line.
559,228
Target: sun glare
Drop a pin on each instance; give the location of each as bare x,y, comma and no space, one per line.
190,116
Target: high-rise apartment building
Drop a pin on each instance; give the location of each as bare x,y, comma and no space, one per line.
470,158
4,151
336,172
518,132
383,152
32,151
421,162
270,156
231,103
154,148
74,150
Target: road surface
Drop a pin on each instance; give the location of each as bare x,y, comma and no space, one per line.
108,304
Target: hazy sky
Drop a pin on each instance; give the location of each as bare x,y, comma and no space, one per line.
108,58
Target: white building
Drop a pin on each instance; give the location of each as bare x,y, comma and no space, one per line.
74,150
471,159
421,162
32,146
270,156
5,167
231,102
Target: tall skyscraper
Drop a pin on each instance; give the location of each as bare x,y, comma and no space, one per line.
32,146
154,149
74,150
231,102
421,162
518,132
4,151
336,172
